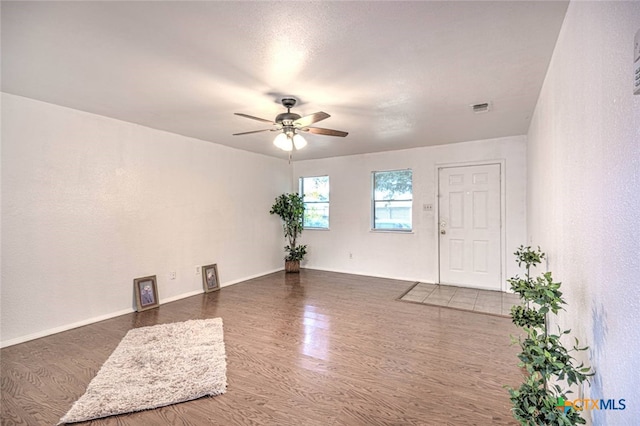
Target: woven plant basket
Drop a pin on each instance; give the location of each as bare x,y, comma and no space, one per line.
292,266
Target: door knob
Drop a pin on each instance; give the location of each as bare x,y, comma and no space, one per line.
442,231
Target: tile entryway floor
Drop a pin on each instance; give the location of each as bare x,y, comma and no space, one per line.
469,299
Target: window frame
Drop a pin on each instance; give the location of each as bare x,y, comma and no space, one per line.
327,202
374,200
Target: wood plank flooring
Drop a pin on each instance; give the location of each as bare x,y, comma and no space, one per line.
318,348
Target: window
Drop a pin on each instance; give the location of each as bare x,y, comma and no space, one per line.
315,195
392,200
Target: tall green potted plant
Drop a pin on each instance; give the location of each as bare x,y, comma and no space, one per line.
542,398
290,208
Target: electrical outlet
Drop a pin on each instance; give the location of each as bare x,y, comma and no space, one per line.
197,269
172,275
350,255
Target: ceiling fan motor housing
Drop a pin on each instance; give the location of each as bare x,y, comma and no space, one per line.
287,118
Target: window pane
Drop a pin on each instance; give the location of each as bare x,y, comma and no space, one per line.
315,189
392,200
316,215
393,185
392,215
315,195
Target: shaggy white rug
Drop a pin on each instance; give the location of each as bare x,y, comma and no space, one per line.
156,366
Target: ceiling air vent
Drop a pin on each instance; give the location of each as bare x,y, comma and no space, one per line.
480,108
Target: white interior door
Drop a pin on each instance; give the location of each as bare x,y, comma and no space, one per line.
469,226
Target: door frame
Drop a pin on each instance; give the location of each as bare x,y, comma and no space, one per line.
503,212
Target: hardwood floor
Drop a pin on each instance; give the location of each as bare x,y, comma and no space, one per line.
320,348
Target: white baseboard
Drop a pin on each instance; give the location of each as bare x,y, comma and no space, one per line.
261,274
66,327
62,328
366,274
180,296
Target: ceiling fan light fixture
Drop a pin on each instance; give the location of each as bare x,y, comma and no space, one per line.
283,142
299,141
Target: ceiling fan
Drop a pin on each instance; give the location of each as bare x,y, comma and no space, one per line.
291,124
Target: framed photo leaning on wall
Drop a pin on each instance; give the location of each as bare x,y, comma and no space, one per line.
146,290
210,280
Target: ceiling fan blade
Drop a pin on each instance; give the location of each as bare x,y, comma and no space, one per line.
327,132
308,120
253,118
255,131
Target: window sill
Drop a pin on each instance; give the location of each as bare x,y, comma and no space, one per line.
391,231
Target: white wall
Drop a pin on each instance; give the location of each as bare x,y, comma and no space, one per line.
90,203
584,193
401,255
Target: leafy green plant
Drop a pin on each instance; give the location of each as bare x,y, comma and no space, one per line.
296,253
543,356
290,208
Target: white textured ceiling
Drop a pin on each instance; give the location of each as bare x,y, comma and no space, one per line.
393,74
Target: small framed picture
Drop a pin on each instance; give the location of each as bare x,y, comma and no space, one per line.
146,291
210,280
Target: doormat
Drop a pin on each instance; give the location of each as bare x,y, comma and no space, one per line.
156,366
462,298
